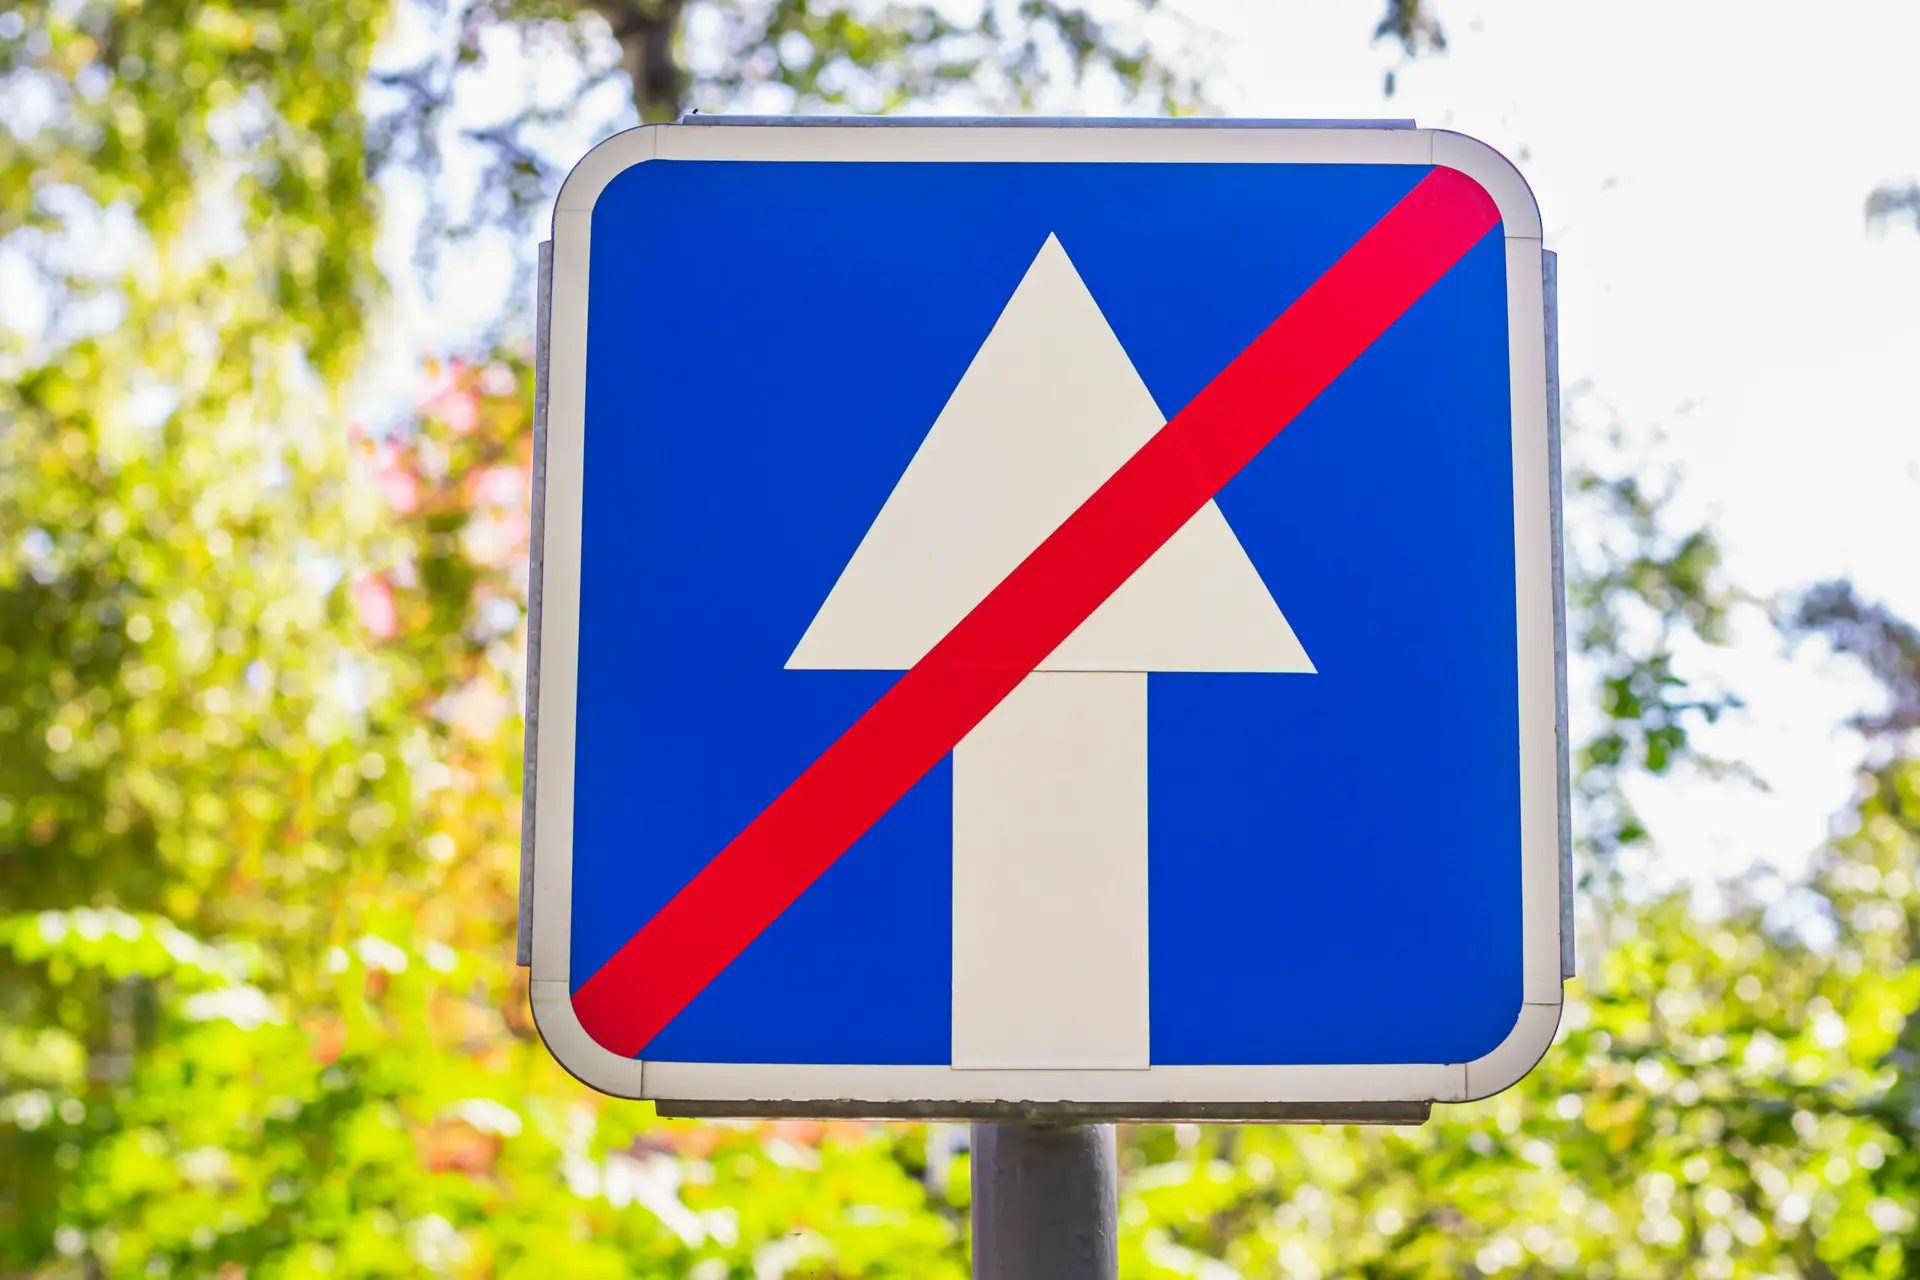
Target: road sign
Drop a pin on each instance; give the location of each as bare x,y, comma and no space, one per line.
1043,617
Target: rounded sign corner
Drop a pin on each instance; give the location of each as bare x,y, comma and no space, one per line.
1509,1062
608,160
577,1052
1498,176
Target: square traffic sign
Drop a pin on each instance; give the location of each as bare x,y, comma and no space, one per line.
1040,615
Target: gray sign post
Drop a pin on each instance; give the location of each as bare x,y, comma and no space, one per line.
1044,1202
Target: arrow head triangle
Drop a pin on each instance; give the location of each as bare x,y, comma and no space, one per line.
1050,407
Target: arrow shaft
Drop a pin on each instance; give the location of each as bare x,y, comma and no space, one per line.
1050,877
913,726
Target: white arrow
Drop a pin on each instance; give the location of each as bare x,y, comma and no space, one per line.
1050,790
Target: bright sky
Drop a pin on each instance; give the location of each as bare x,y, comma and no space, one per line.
1702,169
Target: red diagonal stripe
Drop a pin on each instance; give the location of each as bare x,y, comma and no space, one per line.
922,717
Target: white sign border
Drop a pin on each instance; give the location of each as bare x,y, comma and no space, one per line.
1158,1090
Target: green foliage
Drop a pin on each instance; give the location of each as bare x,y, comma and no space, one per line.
1639,592
259,759
231,137
1413,25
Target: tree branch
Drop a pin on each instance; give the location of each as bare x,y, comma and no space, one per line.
645,30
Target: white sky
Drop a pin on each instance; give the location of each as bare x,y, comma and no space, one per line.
1702,169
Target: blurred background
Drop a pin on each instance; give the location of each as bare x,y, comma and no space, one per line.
265,304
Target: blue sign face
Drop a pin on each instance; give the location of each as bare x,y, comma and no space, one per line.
1332,862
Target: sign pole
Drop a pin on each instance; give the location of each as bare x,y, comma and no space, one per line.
1044,1202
